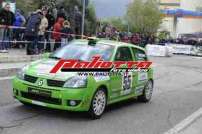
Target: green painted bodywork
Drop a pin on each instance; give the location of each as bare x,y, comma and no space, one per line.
113,86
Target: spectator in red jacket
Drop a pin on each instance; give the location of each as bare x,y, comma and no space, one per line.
56,32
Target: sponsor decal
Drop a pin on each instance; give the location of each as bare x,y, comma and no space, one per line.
101,78
98,65
142,76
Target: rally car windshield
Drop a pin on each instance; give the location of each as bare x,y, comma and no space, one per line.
83,52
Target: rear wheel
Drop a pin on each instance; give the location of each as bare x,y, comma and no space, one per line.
147,93
98,104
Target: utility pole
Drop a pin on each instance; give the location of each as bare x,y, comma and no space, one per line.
83,18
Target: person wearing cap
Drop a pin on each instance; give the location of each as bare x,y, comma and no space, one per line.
7,18
31,32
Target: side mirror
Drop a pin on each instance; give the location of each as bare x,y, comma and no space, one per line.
46,55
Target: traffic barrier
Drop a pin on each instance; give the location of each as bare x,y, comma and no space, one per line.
158,50
194,50
15,42
181,49
16,27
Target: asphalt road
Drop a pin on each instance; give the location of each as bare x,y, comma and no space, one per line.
177,94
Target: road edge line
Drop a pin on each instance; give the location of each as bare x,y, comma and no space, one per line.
6,78
185,123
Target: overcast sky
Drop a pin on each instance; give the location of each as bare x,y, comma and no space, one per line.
110,8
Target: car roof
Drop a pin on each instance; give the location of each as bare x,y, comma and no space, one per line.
112,43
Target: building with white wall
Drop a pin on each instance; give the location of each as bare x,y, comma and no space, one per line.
178,19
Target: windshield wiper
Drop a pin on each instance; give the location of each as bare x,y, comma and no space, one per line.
54,57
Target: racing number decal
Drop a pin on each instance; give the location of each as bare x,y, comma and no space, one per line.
126,83
142,76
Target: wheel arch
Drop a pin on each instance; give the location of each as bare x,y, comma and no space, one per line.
151,81
104,87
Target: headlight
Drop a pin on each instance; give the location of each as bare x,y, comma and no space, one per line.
21,73
76,82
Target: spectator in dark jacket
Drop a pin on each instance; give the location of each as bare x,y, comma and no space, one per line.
66,33
7,18
51,22
61,13
31,31
77,21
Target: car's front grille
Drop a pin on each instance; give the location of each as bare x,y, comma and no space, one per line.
55,83
30,79
44,99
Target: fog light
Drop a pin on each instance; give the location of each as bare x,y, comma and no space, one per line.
72,103
15,91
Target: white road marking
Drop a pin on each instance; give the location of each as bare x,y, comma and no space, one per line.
197,58
185,123
6,78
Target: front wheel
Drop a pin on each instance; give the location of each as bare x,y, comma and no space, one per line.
147,93
98,104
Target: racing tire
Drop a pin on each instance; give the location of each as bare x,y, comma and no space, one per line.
98,104
147,92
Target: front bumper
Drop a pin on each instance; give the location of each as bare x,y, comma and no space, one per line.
50,97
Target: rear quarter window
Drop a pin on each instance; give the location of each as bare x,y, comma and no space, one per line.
139,55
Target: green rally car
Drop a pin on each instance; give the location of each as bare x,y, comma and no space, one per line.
35,85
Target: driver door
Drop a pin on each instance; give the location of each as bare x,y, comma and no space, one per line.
122,85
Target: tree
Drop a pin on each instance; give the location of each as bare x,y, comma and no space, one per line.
118,23
199,8
32,5
69,5
90,18
27,5
144,16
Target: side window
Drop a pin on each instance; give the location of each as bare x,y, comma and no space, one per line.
123,54
139,54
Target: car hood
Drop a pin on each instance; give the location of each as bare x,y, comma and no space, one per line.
42,68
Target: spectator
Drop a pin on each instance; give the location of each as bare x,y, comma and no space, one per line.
55,12
32,30
7,18
19,22
66,33
78,21
108,31
42,29
51,21
136,39
61,13
56,33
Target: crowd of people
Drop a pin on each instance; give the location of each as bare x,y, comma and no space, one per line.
40,30
110,32
46,30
